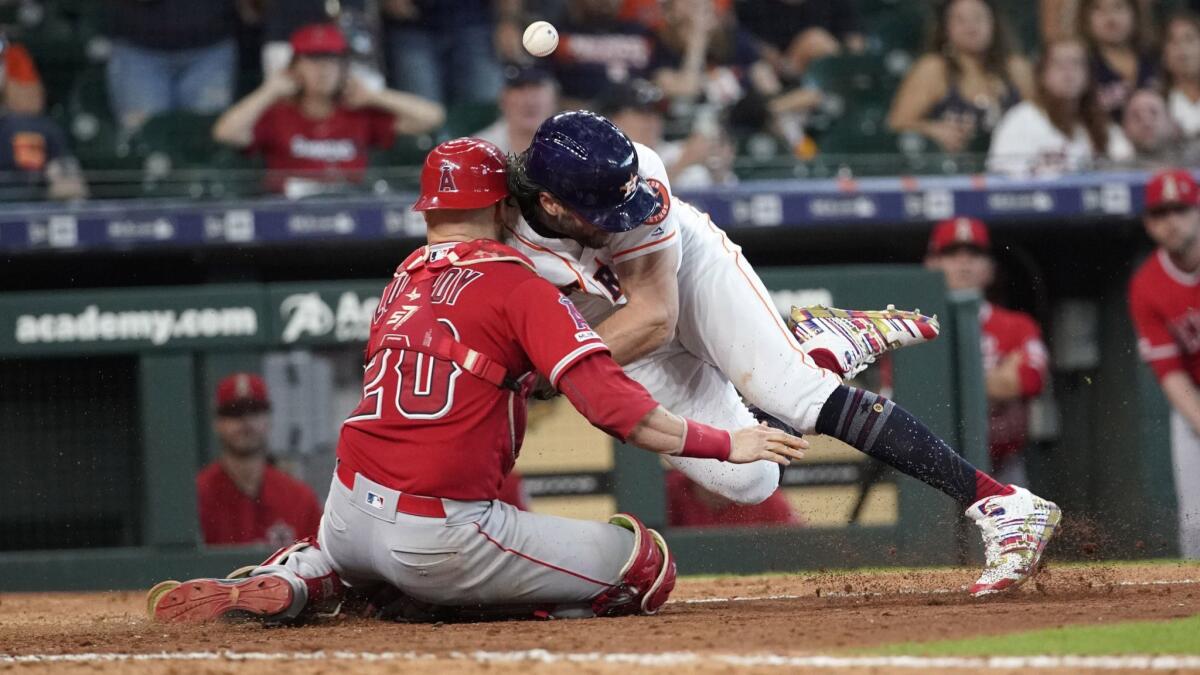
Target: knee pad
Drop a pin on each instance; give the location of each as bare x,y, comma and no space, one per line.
647,578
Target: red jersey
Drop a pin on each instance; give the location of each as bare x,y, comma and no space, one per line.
1165,304
333,149
284,510
426,427
686,507
1005,332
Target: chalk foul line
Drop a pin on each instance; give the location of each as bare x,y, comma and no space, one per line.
649,660
904,591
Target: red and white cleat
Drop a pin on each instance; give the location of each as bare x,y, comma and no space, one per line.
261,597
1016,528
851,339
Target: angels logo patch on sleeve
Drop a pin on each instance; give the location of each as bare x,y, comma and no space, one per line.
583,330
664,197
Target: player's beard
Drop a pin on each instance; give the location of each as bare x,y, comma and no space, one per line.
575,228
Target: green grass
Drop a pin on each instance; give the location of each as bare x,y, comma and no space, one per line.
1178,636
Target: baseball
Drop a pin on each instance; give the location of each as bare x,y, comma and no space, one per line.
541,37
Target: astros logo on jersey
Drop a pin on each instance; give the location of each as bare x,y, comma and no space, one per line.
446,183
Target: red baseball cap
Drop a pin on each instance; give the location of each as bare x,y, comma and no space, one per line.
1171,187
961,231
319,38
242,393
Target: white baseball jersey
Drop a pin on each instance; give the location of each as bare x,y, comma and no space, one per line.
729,336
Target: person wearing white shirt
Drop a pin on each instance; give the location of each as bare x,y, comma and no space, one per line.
529,96
1063,128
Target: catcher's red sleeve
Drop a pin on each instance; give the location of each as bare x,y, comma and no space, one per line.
605,395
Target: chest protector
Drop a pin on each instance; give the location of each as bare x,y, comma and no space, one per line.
406,318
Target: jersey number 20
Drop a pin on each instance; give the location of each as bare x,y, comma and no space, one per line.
423,386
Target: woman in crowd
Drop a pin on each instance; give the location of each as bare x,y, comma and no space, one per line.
1181,71
957,92
1062,128
315,123
1118,51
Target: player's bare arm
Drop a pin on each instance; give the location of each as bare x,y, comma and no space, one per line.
666,433
1184,396
647,320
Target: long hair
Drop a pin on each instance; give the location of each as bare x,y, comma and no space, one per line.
1143,27
1066,115
1181,16
998,54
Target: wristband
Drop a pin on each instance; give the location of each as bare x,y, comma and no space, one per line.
705,442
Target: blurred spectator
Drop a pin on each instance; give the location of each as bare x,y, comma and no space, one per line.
1059,19
689,505
957,92
448,51
35,162
281,18
597,49
528,98
314,122
1014,357
170,55
242,498
1062,128
705,56
23,91
1148,126
1181,71
1119,50
1164,301
700,160
798,32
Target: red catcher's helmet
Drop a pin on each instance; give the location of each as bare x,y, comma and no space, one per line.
465,173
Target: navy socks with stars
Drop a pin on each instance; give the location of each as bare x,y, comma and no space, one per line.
880,428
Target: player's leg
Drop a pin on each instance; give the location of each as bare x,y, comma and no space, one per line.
727,317
689,386
1185,460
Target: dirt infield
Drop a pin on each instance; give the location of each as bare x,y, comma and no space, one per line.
712,625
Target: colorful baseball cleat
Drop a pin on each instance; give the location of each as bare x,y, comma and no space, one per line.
847,341
200,600
1016,528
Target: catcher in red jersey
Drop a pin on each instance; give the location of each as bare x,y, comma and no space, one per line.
458,336
1015,361
1164,299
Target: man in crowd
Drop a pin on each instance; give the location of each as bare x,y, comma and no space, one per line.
529,96
1164,299
1014,357
314,122
243,499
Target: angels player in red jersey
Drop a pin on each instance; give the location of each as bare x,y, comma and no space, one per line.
1014,356
1164,299
688,317
458,335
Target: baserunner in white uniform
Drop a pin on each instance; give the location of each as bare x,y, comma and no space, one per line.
686,315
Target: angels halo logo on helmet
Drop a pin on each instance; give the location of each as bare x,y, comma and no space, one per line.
465,173
591,166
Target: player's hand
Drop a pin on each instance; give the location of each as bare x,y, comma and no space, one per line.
762,442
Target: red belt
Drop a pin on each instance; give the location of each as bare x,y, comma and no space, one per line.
413,505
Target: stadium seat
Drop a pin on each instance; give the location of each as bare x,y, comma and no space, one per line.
58,52
896,28
857,92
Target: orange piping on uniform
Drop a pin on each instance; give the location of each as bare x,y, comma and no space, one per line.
530,244
646,245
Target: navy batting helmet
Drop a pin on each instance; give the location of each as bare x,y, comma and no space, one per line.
592,167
